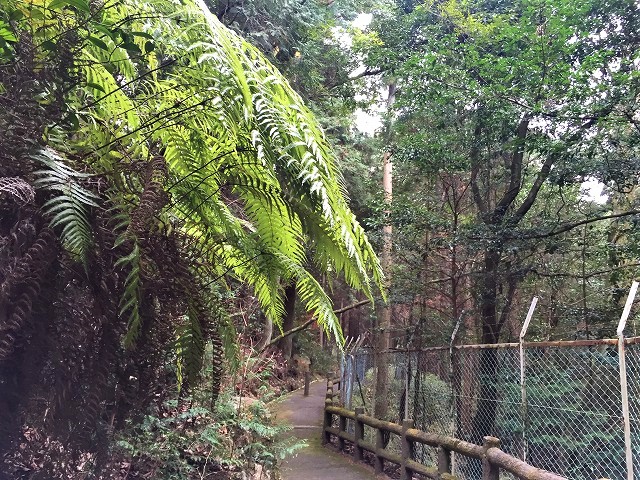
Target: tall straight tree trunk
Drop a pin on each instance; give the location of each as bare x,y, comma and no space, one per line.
286,344
383,330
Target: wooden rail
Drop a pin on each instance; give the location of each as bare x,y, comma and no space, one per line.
493,459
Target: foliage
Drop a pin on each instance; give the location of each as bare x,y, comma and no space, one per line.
503,111
151,159
322,361
431,402
303,41
196,442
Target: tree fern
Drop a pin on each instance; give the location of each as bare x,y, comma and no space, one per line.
252,188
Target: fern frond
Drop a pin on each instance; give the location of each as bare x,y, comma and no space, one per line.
130,301
229,339
189,346
315,299
69,210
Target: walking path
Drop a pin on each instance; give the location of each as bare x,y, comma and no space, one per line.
314,462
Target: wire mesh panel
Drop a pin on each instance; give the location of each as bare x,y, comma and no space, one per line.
574,414
633,388
430,398
565,417
486,385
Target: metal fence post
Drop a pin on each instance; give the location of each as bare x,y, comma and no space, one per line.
406,384
523,379
343,370
623,379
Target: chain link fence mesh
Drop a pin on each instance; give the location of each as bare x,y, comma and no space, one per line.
564,415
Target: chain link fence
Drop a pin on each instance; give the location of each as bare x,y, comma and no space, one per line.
556,405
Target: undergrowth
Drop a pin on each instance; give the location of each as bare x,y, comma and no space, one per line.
192,441
187,438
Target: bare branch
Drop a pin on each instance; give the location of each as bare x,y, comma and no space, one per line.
311,320
571,226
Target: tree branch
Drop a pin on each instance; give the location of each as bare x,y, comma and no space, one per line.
535,189
571,226
548,163
365,73
475,170
311,320
586,275
515,182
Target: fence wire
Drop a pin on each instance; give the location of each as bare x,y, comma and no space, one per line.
565,417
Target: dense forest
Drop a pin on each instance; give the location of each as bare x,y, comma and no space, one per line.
199,198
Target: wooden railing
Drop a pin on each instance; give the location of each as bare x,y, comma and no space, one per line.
493,459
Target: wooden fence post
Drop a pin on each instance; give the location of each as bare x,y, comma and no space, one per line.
444,460
329,395
489,471
406,450
342,421
358,435
378,461
307,381
328,417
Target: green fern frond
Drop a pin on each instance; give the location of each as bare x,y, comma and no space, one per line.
189,346
130,301
229,338
69,210
315,299
263,272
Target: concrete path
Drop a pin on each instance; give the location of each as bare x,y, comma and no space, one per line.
314,462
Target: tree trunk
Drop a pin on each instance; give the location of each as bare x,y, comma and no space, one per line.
488,310
266,335
484,419
286,344
383,331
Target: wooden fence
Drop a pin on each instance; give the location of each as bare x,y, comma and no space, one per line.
493,459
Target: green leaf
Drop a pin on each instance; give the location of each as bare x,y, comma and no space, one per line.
7,35
131,47
72,118
96,86
77,4
105,30
142,34
16,16
98,43
48,46
149,47
36,14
